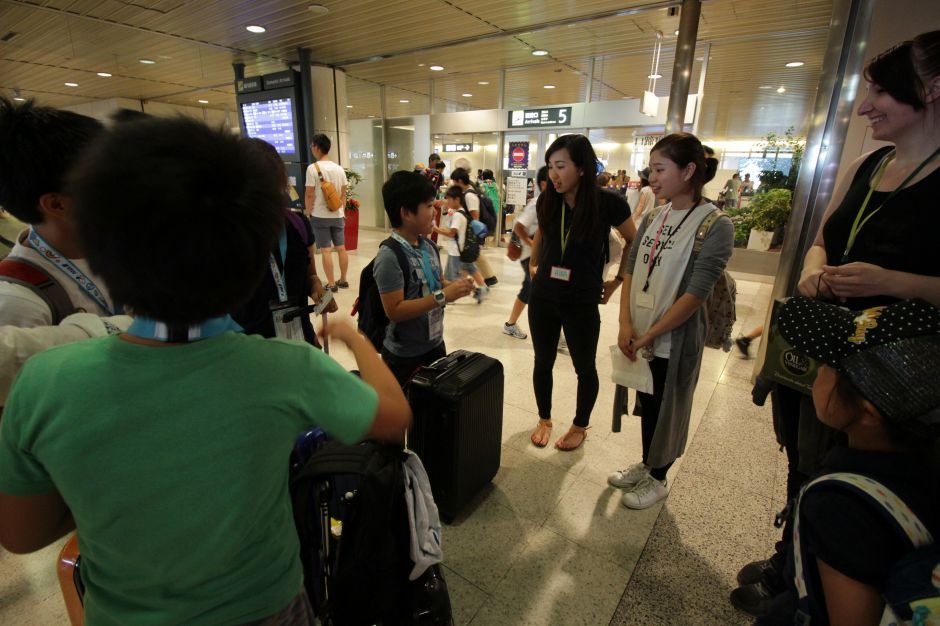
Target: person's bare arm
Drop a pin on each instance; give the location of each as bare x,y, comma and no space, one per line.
849,602
342,194
536,244
398,309
520,232
309,193
628,231
29,523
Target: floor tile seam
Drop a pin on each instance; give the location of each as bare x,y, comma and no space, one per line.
578,542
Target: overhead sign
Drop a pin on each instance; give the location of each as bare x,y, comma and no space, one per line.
458,147
247,85
278,79
518,155
540,118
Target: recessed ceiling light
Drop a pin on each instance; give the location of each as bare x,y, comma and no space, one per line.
539,53
404,101
147,61
436,68
203,102
548,86
421,64
255,29
349,106
371,116
795,64
483,82
318,9
467,95
71,84
781,89
17,96
676,33
655,76
766,87
104,75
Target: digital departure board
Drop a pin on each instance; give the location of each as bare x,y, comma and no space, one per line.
272,121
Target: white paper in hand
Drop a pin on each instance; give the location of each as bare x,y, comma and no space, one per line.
632,374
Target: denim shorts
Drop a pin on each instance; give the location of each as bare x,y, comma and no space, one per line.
328,231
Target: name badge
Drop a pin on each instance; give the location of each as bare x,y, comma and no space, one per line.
290,329
436,324
645,300
561,273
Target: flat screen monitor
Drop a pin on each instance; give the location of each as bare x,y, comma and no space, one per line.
272,121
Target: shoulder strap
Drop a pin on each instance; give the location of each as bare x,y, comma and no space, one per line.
7,242
26,273
403,263
703,229
885,500
319,173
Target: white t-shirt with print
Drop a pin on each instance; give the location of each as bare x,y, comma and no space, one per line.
529,219
459,221
671,258
20,306
473,201
332,172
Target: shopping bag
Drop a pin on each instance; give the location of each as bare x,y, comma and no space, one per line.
632,374
782,363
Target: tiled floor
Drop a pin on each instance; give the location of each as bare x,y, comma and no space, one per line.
549,542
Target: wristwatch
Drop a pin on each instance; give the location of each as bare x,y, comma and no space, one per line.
440,298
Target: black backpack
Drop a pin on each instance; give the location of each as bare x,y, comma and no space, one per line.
360,576
487,213
471,242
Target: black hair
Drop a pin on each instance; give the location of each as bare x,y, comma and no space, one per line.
904,70
487,175
440,165
644,182
542,175
586,218
38,146
195,245
122,116
460,175
454,191
434,157
405,190
603,179
682,149
322,142
271,156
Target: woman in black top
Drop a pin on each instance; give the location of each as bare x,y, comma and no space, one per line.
568,255
885,249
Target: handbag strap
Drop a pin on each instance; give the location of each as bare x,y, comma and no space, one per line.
319,173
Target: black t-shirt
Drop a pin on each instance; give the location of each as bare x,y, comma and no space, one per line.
255,315
902,236
848,531
585,258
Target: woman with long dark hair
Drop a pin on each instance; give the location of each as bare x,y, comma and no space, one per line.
568,255
662,317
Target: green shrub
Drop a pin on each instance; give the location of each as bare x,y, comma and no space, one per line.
770,210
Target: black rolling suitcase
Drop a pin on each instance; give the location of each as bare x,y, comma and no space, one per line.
457,403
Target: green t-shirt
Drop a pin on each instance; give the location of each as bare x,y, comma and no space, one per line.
174,463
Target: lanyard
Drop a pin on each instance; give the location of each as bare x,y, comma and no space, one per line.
276,272
146,328
651,266
429,276
64,265
859,223
564,235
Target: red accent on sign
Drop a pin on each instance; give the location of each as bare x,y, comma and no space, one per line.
518,155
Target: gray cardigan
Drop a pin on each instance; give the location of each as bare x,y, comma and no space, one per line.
688,340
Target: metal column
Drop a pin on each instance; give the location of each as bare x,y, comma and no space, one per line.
306,90
701,87
682,68
384,147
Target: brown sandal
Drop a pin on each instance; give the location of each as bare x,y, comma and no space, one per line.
562,443
543,429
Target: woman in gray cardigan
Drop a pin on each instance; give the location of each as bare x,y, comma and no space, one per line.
661,315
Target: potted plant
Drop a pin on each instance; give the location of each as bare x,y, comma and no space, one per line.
351,230
769,212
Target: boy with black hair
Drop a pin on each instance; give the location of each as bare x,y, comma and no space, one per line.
170,443
415,334
48,277
461,178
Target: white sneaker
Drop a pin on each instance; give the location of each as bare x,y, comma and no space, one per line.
513,330
645,494
629,477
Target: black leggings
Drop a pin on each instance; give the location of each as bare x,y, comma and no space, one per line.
582,324
650,404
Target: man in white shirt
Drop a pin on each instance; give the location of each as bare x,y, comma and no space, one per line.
525,225
461,178
328,225
45,276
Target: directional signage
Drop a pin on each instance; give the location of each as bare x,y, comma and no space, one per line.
458,147
540,118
